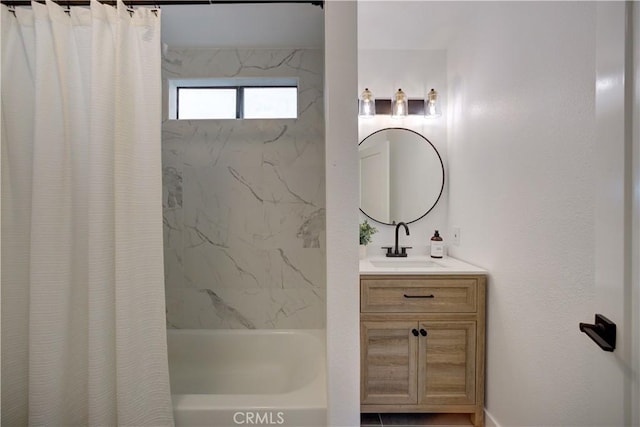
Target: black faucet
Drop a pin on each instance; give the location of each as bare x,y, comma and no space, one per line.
402,251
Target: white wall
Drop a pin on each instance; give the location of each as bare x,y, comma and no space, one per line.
343,302
635,188
415,71
248,25
521,156
521,148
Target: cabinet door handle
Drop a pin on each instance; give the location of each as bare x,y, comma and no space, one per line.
419,296
414,332
423,332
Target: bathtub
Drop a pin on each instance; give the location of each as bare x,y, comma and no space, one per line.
247,377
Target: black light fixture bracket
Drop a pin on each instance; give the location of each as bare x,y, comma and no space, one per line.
416,107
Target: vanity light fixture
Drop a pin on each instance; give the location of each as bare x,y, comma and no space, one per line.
431,105
399,104
367,104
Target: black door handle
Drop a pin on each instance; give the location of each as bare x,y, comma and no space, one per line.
423,332
414,332
418,296
603,332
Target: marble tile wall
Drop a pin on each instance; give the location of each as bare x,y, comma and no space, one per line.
243,202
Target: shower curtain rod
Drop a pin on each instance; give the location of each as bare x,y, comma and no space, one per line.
163,2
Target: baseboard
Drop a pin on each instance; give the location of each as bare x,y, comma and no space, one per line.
489,421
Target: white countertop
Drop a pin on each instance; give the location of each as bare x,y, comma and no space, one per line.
446,265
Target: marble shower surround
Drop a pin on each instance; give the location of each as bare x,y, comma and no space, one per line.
243,202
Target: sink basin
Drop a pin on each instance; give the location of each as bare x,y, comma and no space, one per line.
403,263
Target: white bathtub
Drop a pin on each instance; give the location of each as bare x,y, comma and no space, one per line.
248,377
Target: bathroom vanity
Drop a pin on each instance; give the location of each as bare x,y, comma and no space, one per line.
422,336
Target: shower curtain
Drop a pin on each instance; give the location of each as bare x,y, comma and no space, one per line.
83,317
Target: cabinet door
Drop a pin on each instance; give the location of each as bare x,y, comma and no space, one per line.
447,363
389,352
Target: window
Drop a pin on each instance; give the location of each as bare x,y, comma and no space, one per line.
206,103
270,102
233,99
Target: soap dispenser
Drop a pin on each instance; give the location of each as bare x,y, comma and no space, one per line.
437,246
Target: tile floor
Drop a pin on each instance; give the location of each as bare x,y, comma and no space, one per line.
414,420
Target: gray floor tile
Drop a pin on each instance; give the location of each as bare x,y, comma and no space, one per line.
370,420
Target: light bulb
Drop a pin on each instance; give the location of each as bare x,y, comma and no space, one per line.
367,104
399,104
431,105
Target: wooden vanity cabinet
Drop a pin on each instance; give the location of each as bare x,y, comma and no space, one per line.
423,344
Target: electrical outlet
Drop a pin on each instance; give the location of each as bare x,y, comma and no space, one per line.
456,236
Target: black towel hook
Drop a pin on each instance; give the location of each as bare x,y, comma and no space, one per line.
603,332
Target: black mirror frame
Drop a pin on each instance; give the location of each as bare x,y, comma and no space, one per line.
441,168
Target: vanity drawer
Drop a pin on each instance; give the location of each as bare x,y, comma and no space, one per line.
407,295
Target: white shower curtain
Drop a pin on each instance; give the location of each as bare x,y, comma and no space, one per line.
83,317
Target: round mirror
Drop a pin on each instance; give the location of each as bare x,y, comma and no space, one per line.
401,176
